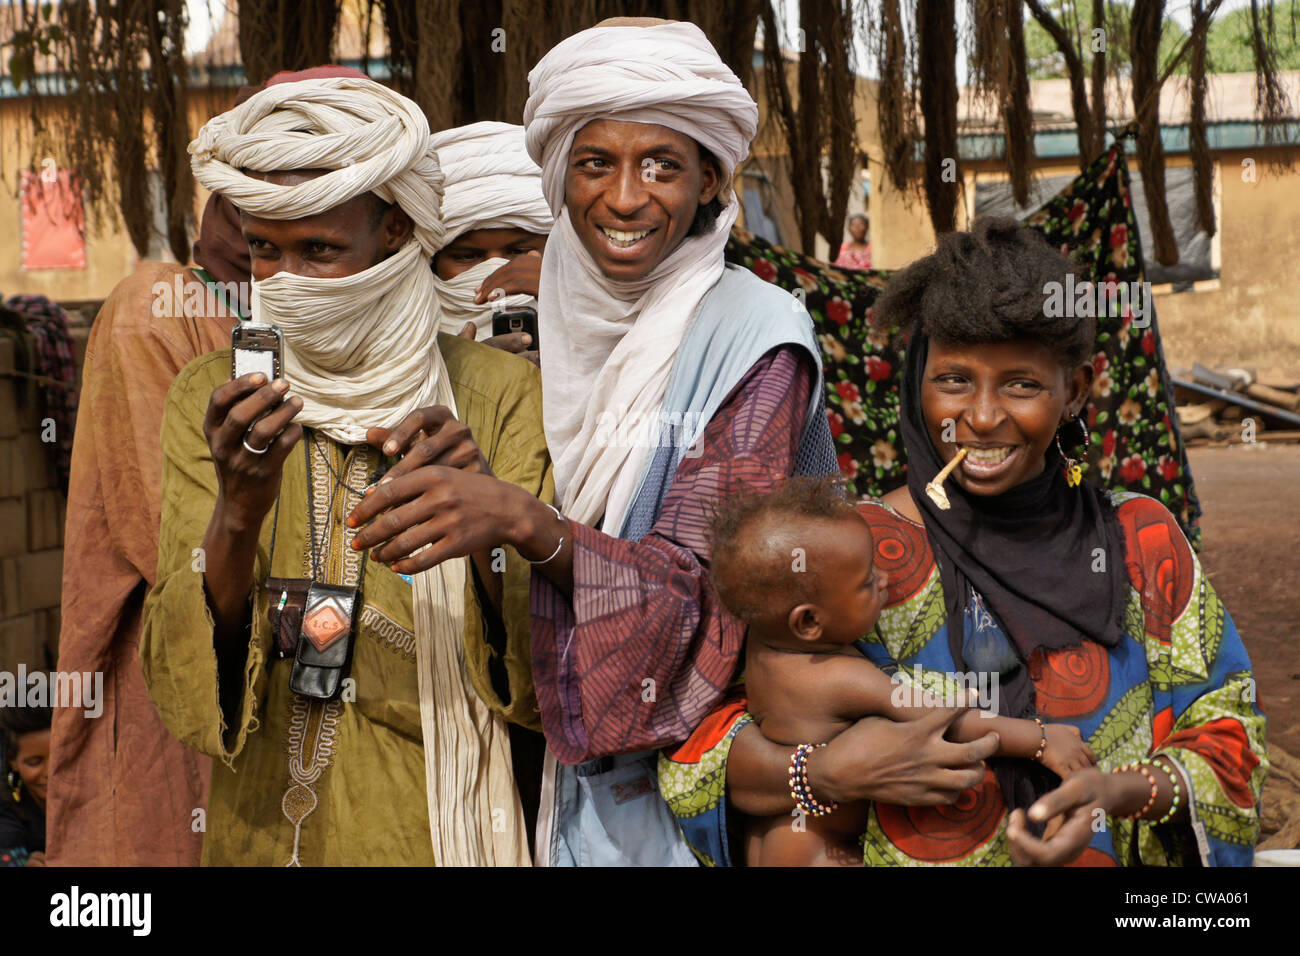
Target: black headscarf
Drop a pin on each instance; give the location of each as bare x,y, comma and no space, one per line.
1029,553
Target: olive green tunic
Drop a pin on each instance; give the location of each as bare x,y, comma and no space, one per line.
343,782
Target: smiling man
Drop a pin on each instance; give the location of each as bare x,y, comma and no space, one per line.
358,715
638,127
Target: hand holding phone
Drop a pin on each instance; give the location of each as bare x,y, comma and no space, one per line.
256,347
509,321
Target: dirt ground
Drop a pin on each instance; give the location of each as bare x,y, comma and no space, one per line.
1251,552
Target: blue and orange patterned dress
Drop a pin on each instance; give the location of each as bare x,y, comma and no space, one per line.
1179,684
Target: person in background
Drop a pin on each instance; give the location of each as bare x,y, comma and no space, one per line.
25,744
856,253
497,222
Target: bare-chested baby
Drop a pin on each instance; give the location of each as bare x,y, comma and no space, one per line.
797,567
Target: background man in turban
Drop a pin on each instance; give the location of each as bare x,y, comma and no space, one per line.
340,190
670,382
497,221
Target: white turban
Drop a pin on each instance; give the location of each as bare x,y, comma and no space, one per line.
667,75
608,346
361,351
491,183
372,140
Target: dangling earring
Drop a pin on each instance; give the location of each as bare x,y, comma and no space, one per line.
15,786
1074,466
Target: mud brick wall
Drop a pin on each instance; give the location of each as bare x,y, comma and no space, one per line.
32,514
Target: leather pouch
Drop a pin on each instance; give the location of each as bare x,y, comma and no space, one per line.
286,598
325,640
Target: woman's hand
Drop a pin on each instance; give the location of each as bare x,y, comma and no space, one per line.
906,763
247,483
1083,802
903,763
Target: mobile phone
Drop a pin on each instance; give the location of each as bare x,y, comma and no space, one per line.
516,320
256,347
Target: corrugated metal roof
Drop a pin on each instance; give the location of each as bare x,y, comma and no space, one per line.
1230,99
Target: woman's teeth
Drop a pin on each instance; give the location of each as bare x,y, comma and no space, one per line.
624,239
987,456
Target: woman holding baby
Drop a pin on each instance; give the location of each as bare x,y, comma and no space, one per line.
1084,607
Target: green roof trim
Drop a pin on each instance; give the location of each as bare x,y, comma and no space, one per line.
1064,143
201,77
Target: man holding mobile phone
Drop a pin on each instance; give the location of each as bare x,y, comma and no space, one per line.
122,792
489,269
385,686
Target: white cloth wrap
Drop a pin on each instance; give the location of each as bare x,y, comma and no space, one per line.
369,137
668,75
490,181
361,351
457,298
610,345
346,341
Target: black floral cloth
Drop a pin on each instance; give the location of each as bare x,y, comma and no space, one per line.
55,367
1134,442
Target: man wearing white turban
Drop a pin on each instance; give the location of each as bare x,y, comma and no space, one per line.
391,691
496,222
671,381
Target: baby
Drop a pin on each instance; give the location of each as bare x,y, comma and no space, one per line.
797,567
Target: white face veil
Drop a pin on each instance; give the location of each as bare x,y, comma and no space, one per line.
610,345
346,340
361,351
491,183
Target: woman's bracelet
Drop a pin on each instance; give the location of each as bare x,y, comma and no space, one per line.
1042,745
800,792
1175,781
556,552
1141,766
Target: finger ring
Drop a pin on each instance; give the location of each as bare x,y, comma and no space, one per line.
256,451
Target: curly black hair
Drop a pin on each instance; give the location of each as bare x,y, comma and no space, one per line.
16,722
707,214
989,285
753,577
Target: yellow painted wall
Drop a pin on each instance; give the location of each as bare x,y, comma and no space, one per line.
1253,317
110,256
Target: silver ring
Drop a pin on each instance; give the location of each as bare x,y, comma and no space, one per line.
256,451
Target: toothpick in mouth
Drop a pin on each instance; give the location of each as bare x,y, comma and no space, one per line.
935,488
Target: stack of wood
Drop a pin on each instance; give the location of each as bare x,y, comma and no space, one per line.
1236,405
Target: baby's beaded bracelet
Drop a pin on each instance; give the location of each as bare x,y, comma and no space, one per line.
800,792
